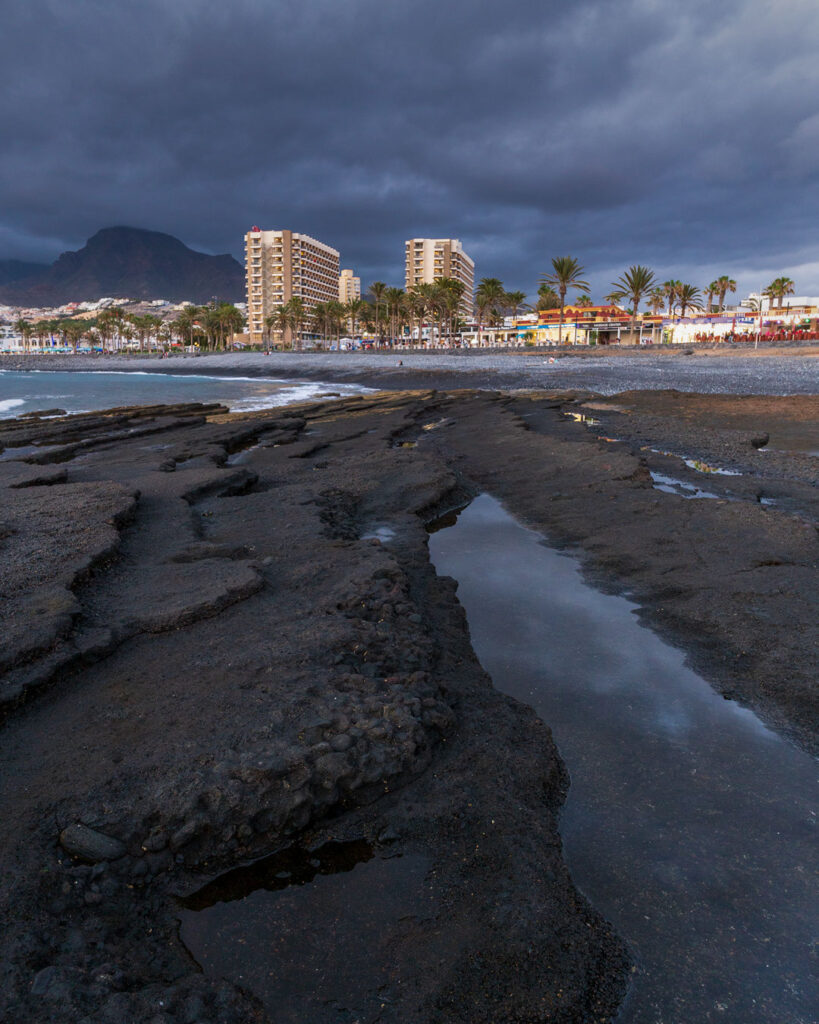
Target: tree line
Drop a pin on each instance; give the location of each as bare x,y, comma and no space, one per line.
389,313
212,327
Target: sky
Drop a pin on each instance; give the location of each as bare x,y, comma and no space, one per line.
680,134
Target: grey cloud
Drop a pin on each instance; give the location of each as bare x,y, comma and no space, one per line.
643,130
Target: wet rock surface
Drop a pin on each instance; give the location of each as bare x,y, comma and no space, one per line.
208,663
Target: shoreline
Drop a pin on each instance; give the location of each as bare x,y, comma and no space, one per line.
780,371
247,670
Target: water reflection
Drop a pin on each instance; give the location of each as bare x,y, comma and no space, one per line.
689,823
671,485
309,932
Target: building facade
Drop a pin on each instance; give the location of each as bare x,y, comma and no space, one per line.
282,265
349,286
429,259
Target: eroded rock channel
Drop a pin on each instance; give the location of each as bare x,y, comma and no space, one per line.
688,823
223,637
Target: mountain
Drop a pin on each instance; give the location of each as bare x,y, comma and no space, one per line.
14,270
130,263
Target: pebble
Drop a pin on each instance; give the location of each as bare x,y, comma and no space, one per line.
185,834
43,980
88,844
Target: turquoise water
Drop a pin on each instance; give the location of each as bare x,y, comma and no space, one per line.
22,392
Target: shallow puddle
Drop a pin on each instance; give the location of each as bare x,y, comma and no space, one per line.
380,532
671,485
704,467
309,932
580,417
689,824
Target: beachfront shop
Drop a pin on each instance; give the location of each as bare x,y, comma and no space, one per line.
583,325
690,330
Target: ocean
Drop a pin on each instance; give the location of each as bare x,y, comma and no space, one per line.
29,391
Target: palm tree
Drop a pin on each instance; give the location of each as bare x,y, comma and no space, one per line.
140,328
656,300
298,314
269,327
211,324
279,321
435,298
416,305
712,290
366,319
452,293
117,320
614,298
152,325
393,298
547,297
90,333
378,291
42,330
336,315
688,297
25,330
490,293
724,285
566,273
75,329
164,334
670,290
186,324
636,281
584,300
105,327
515,300
778,289
230,321
354,309
318,316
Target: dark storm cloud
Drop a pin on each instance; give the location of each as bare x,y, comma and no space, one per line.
682,135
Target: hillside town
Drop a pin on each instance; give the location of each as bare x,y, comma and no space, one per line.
299,297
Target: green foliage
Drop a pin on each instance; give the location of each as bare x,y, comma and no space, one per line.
547,297
636,281
778,289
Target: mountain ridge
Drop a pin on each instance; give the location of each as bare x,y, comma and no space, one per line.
132,263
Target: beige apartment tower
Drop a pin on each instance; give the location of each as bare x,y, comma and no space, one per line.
429,259
281,265
349,286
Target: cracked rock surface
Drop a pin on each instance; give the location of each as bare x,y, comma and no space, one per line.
207,661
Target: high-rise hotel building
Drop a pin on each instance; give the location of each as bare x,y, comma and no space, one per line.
429,259
281,265
349,286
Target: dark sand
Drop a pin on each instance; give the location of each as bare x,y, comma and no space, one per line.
206,660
